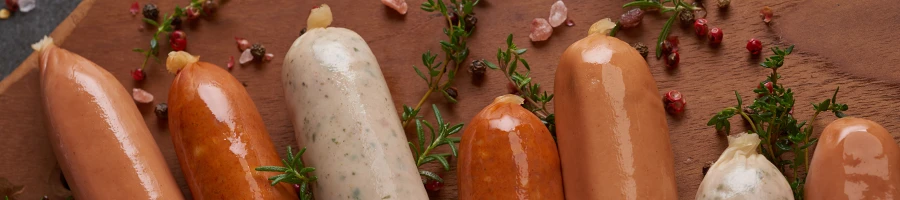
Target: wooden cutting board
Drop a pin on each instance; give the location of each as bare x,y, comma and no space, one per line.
851,44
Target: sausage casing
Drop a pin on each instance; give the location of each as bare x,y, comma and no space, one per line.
611,126
220,137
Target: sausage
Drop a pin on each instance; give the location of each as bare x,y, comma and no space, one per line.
507,153
611,125
97,133
854,159
220,138
342,111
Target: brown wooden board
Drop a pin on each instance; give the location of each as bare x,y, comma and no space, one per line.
851,44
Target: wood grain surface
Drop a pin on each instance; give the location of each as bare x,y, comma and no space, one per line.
850,44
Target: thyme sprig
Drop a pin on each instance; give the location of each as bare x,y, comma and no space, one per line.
771,117
677,7
455,52
439,137
294,172
535,100
164,28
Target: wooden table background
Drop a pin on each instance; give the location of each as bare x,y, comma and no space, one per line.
852,44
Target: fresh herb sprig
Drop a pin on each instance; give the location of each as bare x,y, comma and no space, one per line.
164,28
455,52
677,7
294,172
439,137
771,117
535,100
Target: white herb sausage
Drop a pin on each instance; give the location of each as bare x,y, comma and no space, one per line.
342,112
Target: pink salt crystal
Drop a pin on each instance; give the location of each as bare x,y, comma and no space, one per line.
399,5
269,56
230,62
558,13
135,7
632,18
242,43
246,57
540,30
141,96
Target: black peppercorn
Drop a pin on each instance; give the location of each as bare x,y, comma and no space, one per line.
210,7
641,48
471,20
151,11
176,23
162,110
477,68
258,51
452,92
686,17
303,31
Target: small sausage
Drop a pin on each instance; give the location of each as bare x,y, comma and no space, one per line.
97,133
220,138
507,153
611,125
854,159
342,111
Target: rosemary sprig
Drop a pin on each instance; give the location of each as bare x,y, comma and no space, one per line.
535,100
455,52
439,137
678,7
164,28
294,172
771,116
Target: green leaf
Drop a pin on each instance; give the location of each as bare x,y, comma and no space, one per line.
277,178
431,175
521,51
524,63
490,64
421,133
153,44
443,161
421,75
437,115
509,40
664,33
642,4
272,169
139,50
452,147
151,22
454,129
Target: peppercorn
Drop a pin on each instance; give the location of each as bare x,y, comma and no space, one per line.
674,102
641,48
258,51
723,3
162,110
471,20
672,60
210,7
302,31
176,23
138,74
454,19
477,68
686,17
706,167
12,5
715,36
151,11
701,27
452,92
754,46
432,185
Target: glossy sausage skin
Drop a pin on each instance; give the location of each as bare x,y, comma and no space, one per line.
506,153
611,126
854,159
99,137
220,137
343,113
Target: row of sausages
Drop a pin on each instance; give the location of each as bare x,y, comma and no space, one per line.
613,140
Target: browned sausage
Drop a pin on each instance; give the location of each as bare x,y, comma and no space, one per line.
507,153
854,159
611,125
97,133
220,137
